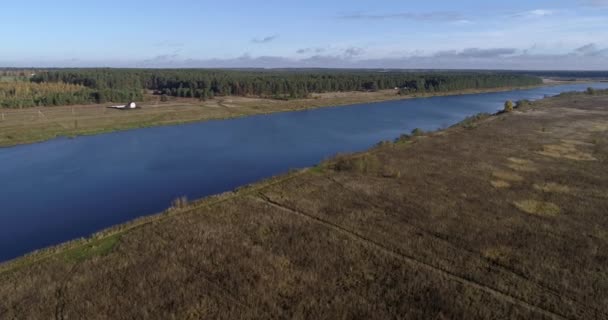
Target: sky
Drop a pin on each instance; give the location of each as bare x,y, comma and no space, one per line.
465,34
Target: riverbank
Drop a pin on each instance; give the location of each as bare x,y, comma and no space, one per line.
476,221
44,123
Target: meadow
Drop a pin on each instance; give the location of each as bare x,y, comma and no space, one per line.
500,216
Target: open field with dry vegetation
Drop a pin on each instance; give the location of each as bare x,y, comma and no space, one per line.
18,126
499,217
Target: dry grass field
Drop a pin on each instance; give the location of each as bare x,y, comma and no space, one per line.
18,126
504,217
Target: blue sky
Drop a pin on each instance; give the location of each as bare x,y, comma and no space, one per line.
512,34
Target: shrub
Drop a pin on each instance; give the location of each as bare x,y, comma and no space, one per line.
590,91
360,164
522,103
408,137
508,106
403,138
417,132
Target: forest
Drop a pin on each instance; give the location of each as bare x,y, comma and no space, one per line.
24,94
119,85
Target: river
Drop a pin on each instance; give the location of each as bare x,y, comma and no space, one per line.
65,188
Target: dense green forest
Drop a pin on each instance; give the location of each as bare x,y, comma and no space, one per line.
24,94
282,83
104,85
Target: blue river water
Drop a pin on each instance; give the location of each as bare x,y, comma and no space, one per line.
63,189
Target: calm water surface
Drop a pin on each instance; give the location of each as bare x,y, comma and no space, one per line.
68,188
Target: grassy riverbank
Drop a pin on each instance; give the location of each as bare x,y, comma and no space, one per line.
499,217
20,126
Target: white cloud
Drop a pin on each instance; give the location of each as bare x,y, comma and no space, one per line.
310,50
595,58
265,39
583,58
590,50
477,53
353,52
538,13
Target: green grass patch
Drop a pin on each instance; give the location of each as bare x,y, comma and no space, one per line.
99,247
319,168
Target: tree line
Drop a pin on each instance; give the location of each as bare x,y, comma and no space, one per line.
17,72
21,94
572,74
197,83
105,84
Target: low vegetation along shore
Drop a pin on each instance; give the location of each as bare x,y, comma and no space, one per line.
498,217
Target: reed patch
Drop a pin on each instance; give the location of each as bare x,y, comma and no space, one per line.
500,184
535,207
600,127
497,253
507,176
566,150
552,187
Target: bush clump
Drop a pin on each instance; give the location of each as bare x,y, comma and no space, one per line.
403,138
417,132
367,163
508,106
522,103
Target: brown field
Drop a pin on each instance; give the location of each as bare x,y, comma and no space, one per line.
43,123
501,218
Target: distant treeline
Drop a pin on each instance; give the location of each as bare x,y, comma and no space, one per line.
197,83
14,72
567,74
121,85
